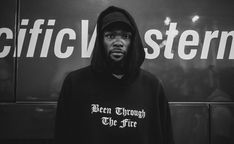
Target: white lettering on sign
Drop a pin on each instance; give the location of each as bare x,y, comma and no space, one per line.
21,37
46,42
35,31
87,48
222,45
43,30
152,44
183,42
171,33
9,35
58,43
206,45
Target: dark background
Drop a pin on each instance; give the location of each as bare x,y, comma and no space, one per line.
200,92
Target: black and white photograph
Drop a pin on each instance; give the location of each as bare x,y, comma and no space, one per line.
116,72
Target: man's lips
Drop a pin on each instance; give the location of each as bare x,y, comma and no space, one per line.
117,52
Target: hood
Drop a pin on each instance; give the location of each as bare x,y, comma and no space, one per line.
136,54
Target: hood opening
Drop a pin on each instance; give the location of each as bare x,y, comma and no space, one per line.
136,54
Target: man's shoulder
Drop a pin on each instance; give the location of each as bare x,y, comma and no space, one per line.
148,76
80,73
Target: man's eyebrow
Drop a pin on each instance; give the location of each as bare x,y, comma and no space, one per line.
128,32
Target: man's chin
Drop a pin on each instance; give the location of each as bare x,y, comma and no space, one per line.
116,58
117,64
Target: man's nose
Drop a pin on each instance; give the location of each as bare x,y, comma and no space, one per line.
118,43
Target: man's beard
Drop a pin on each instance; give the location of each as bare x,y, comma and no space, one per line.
117,67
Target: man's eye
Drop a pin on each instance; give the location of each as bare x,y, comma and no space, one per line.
110,36
126,36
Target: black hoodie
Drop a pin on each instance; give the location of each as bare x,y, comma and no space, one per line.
95,107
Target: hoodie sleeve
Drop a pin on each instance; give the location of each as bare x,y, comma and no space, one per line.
165,117
61,119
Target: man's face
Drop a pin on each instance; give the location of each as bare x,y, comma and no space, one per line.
117,41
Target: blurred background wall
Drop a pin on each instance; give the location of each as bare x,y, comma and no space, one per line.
195,61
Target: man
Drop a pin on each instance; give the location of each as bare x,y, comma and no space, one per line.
113,101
